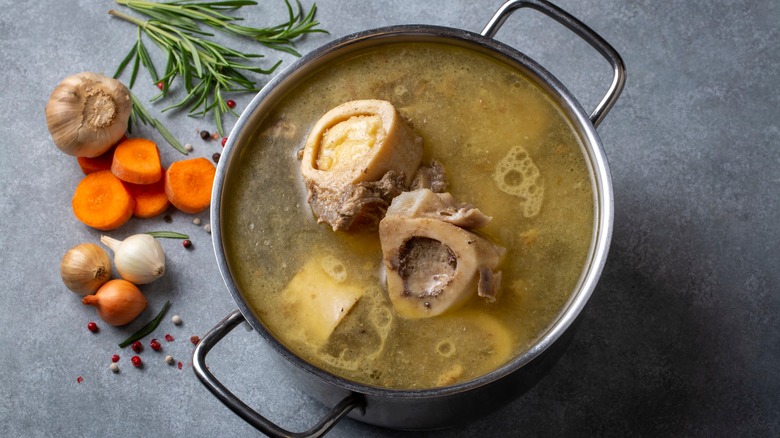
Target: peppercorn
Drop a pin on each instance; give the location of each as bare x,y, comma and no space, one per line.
91,326
176,319
114,367
224,140
205,135
215,157
169,359
188,147
160,85
137,346
187,243
167,218
115,358
155,344
137,362
194,340
231,103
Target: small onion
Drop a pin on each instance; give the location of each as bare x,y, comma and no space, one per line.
117,302
84,268
87,113
139,259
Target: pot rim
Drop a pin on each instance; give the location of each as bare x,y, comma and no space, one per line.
592,149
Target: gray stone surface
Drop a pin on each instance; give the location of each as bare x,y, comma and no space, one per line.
679,339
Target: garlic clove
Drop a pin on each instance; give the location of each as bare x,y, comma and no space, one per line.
84,268
139,259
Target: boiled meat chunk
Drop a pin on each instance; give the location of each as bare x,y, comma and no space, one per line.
441,206
357,157
432,264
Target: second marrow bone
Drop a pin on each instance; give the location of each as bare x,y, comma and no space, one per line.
432,265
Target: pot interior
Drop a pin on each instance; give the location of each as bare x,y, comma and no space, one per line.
513,142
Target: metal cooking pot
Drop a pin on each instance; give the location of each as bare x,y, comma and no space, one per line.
438,407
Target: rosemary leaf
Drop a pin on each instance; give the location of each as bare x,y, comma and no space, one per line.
168,234
148,328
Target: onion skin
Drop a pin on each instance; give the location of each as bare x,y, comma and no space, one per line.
87,113
117,302
84,268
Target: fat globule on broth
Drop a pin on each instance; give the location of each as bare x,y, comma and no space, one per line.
507,151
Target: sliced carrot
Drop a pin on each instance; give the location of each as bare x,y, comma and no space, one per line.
137,161
150,199
102,201
188,184
101,162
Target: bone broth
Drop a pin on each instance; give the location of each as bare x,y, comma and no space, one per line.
382,313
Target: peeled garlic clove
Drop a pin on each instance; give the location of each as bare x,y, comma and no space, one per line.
139,259
84,268
87,113
358,142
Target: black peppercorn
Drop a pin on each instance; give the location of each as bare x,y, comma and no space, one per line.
205,135
215,157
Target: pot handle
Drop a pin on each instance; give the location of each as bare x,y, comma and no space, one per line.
578,27
242,409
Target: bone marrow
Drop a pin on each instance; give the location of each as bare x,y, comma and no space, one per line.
433,265
358,156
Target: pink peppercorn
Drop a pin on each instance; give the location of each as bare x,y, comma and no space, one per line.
137,346
231,103
115,358
155,344
92,327
137,362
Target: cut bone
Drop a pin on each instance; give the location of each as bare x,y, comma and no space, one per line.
355,143
433,266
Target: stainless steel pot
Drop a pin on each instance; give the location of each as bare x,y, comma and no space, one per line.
440,407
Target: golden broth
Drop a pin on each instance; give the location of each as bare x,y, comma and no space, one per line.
475,115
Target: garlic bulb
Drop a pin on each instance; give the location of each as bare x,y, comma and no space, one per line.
84,268
87,113
139,259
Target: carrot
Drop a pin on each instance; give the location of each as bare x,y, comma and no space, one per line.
150,199
102,201
188,184
101,162
137,161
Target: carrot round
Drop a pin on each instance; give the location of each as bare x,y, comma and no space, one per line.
188,184
150,199
137,161
101,162
95,164
102,201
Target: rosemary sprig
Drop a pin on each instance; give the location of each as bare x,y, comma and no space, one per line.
208,70
186,15
148,328
168,235
139,114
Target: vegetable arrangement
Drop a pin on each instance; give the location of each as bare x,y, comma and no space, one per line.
89,115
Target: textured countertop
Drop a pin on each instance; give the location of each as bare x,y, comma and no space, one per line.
680,337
